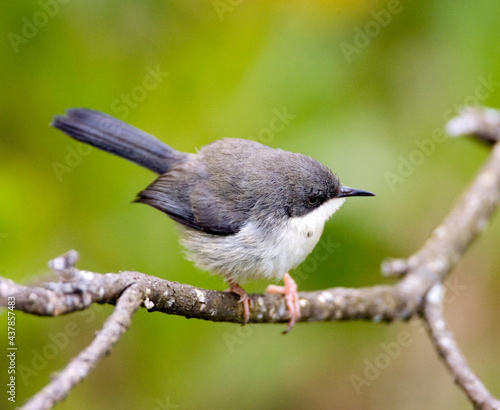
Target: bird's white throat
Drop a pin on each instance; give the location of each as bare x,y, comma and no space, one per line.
314,221
304,232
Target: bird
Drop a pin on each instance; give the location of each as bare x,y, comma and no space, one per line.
245,210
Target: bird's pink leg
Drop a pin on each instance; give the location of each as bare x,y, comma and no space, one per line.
244,298
291,298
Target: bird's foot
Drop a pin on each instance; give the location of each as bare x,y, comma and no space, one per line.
291,298
245,300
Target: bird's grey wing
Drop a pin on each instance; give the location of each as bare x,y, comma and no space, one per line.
185,197
164,194
216,215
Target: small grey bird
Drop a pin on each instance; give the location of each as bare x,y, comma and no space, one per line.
247,211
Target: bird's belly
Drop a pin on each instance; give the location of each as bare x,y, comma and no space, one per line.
253,253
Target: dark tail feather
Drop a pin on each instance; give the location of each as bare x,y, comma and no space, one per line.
117,137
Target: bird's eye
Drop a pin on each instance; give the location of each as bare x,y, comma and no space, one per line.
313,200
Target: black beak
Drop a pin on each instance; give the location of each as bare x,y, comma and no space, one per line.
346,191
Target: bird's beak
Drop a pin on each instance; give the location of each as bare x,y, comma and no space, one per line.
346,191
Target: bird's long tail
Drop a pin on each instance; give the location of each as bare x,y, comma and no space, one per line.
117,137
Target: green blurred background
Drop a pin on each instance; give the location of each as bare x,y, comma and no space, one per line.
367,85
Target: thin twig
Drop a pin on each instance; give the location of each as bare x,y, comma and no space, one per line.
448,350
78,369
449,241
483,123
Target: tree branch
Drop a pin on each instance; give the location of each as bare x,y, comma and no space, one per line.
79,368
448,350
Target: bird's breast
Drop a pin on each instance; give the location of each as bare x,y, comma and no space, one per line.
302,233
